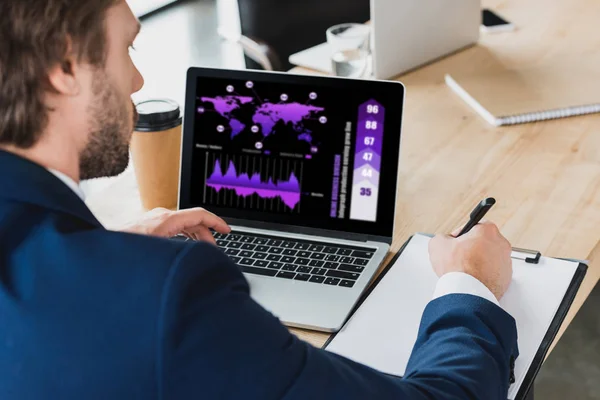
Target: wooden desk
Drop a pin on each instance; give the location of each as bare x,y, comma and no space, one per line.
545,176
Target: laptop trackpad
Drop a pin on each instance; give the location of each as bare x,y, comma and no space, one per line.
303,304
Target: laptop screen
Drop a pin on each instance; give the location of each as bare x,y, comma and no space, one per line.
313,152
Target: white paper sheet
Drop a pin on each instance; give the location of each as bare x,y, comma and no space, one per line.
382,332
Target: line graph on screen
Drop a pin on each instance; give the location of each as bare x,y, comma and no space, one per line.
253,182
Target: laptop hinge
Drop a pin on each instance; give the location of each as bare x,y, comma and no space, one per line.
307,231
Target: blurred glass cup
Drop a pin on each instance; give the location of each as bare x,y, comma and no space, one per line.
350,46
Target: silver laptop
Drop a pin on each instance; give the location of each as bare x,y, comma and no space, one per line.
408,34
305,171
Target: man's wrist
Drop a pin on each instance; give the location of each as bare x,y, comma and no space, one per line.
463,283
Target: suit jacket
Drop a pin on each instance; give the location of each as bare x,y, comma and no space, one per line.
88,313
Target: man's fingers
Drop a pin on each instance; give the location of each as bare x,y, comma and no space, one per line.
484,223
456,231
203,234
438,246
208,220
189,220
438,242
190,236
487,227
206,235
193,223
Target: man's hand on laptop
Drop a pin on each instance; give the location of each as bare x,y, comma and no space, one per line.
194,223
482,253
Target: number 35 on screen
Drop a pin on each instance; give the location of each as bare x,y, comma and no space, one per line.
365,192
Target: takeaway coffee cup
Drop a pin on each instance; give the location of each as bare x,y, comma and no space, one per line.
156,152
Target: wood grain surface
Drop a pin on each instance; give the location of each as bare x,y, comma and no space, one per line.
545,176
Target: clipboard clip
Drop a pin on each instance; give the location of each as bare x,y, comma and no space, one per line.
529,256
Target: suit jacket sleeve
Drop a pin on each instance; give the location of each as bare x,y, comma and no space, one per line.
215,342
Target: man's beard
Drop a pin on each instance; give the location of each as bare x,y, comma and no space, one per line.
107,152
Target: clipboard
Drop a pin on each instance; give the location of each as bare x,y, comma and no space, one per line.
530,257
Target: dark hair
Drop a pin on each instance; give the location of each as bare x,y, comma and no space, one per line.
35,36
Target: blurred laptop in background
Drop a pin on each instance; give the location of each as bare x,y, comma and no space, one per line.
407,34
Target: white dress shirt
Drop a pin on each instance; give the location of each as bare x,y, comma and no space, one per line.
461,283
69,182
452,283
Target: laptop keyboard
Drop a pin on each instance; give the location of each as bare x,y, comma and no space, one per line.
300,260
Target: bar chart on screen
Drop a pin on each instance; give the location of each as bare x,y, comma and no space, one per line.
253,182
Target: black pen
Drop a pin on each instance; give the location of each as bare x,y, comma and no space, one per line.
477,214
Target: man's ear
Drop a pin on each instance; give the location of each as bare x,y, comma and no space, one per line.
63,76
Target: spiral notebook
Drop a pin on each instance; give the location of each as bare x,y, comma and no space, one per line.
509,97
383,328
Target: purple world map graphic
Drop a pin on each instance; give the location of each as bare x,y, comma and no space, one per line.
245,185
266,115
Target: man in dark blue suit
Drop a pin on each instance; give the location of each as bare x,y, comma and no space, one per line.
88,313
